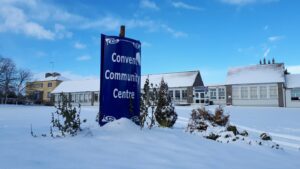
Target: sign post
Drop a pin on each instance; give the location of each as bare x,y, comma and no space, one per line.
120,78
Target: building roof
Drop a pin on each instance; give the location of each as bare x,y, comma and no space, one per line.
78,86
176,79
268,73
292,80
50,78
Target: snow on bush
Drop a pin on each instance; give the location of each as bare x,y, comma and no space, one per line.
216,126
157,100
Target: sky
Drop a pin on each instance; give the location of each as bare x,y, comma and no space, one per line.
206,35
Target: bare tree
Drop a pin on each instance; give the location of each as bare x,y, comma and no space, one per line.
23,76
7,77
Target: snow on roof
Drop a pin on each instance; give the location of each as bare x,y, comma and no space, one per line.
292,80
176,79
61,78
269,73
78,86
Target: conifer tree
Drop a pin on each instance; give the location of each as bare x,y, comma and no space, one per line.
165,113
144,103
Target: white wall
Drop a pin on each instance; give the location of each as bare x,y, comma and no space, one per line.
217,101
180,100
289,101
237,100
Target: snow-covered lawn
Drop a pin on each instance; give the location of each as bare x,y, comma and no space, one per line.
122,144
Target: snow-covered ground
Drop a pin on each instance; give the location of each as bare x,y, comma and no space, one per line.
122,144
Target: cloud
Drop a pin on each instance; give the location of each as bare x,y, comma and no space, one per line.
108,23
146,44
295,69
61,32
275,38
148,4
266,53
182,5
79,45
83,58
174,33
111,23
246,2
14,20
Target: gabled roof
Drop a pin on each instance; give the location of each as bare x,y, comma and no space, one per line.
292,80
90,85
268,73
176,79
60,78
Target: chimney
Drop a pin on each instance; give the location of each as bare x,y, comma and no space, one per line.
48,75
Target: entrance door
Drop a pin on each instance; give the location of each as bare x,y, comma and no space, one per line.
199,97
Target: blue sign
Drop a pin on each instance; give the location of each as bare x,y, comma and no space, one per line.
120,79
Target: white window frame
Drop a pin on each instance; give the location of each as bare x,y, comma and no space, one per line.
213,93
273,91
263,92
244,92
221,91
253,92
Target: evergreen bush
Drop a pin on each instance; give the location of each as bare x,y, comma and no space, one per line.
66,118
165,113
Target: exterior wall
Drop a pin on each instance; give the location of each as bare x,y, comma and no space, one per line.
82,98
42,87
268,100
280,95
289,101
178,95
228,94
190,98
218,99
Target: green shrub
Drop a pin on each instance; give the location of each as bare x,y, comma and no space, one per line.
66,118
232,129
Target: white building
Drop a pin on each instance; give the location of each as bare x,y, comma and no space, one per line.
258,85
85,92
181,84
292,96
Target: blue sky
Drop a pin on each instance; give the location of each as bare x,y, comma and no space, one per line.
207,35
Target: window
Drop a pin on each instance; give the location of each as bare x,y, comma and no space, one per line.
213,93
86,98
221,93
72,97
177,94
263,92
184,94
235,92
96,97
253,92
37,85
171,94
295,94
49,84
244,92
81,96
49,95
273,92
